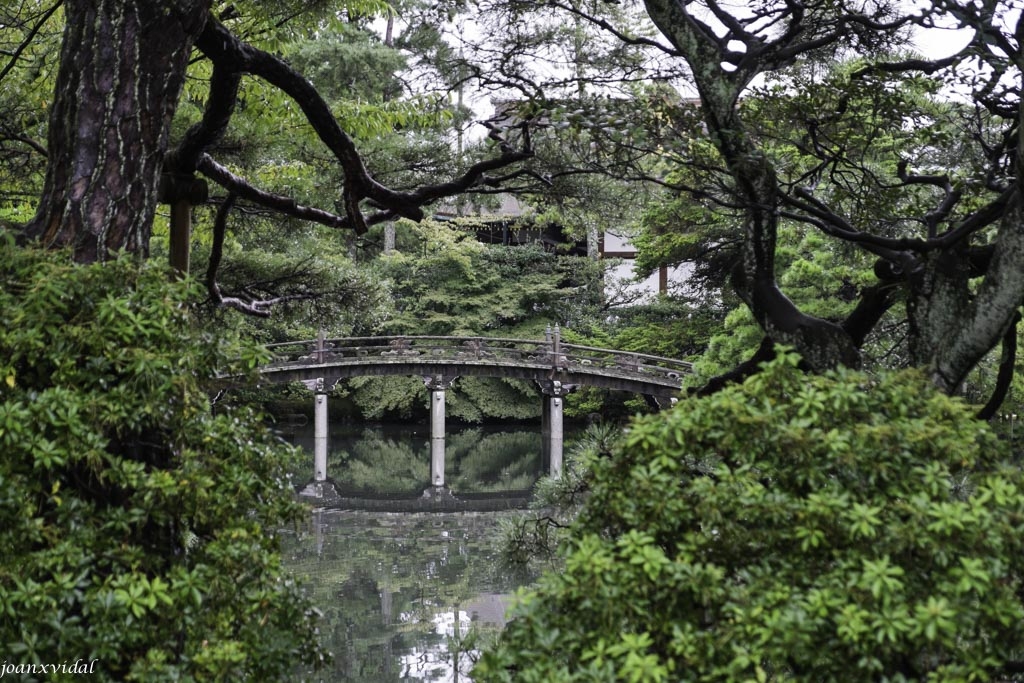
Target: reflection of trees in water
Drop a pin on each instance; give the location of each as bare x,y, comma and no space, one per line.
475,462
376,463
506,461
381,580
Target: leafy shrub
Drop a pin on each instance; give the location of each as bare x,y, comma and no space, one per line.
137,527
794,528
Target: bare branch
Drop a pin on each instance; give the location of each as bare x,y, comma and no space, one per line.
29,142
927,66
29,38
220,105
765,352
1007,360
819,215
606,26
950,199
249,305
286,205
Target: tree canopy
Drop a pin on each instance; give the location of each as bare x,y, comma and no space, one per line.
818,116
747,121
110,154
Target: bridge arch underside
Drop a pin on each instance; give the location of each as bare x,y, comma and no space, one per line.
660,388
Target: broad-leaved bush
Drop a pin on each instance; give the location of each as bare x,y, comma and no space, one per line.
137,526
793,528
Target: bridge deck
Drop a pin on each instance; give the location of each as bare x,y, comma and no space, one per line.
550,359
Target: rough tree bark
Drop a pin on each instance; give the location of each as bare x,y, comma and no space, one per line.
122,67
962,291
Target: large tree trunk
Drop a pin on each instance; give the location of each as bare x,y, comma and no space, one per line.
993,308
122,69
938,295
822,344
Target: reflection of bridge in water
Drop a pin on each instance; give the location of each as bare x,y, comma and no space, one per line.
555,367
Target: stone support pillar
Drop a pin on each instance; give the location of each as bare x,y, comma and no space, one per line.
555,435
438,385
320,434
437,437
551,423
320,489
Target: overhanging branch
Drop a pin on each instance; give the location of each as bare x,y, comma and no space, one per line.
249,305
1007,361
237,185
217,43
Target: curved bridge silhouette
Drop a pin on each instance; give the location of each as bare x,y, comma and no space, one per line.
557,368
548,360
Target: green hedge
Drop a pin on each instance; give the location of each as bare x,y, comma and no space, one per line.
137,527
795,528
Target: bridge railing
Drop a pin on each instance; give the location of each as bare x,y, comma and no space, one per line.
377,349
549,352
625,361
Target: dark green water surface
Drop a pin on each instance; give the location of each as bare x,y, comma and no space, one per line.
410,595
405,596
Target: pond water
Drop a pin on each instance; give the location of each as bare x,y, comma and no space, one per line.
409,596
405,596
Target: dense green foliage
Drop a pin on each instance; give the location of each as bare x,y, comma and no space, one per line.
454,285
794,528
441,282
139,528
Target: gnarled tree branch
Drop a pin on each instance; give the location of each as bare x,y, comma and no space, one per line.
217,43
248,305
237,185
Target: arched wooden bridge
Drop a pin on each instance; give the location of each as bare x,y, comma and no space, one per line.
557,369
450,357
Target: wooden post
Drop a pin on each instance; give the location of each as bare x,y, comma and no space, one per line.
181,192
181,236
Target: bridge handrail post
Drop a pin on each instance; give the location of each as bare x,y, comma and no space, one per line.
320,335
557,347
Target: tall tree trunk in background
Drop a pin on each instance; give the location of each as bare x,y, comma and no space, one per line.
122,69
